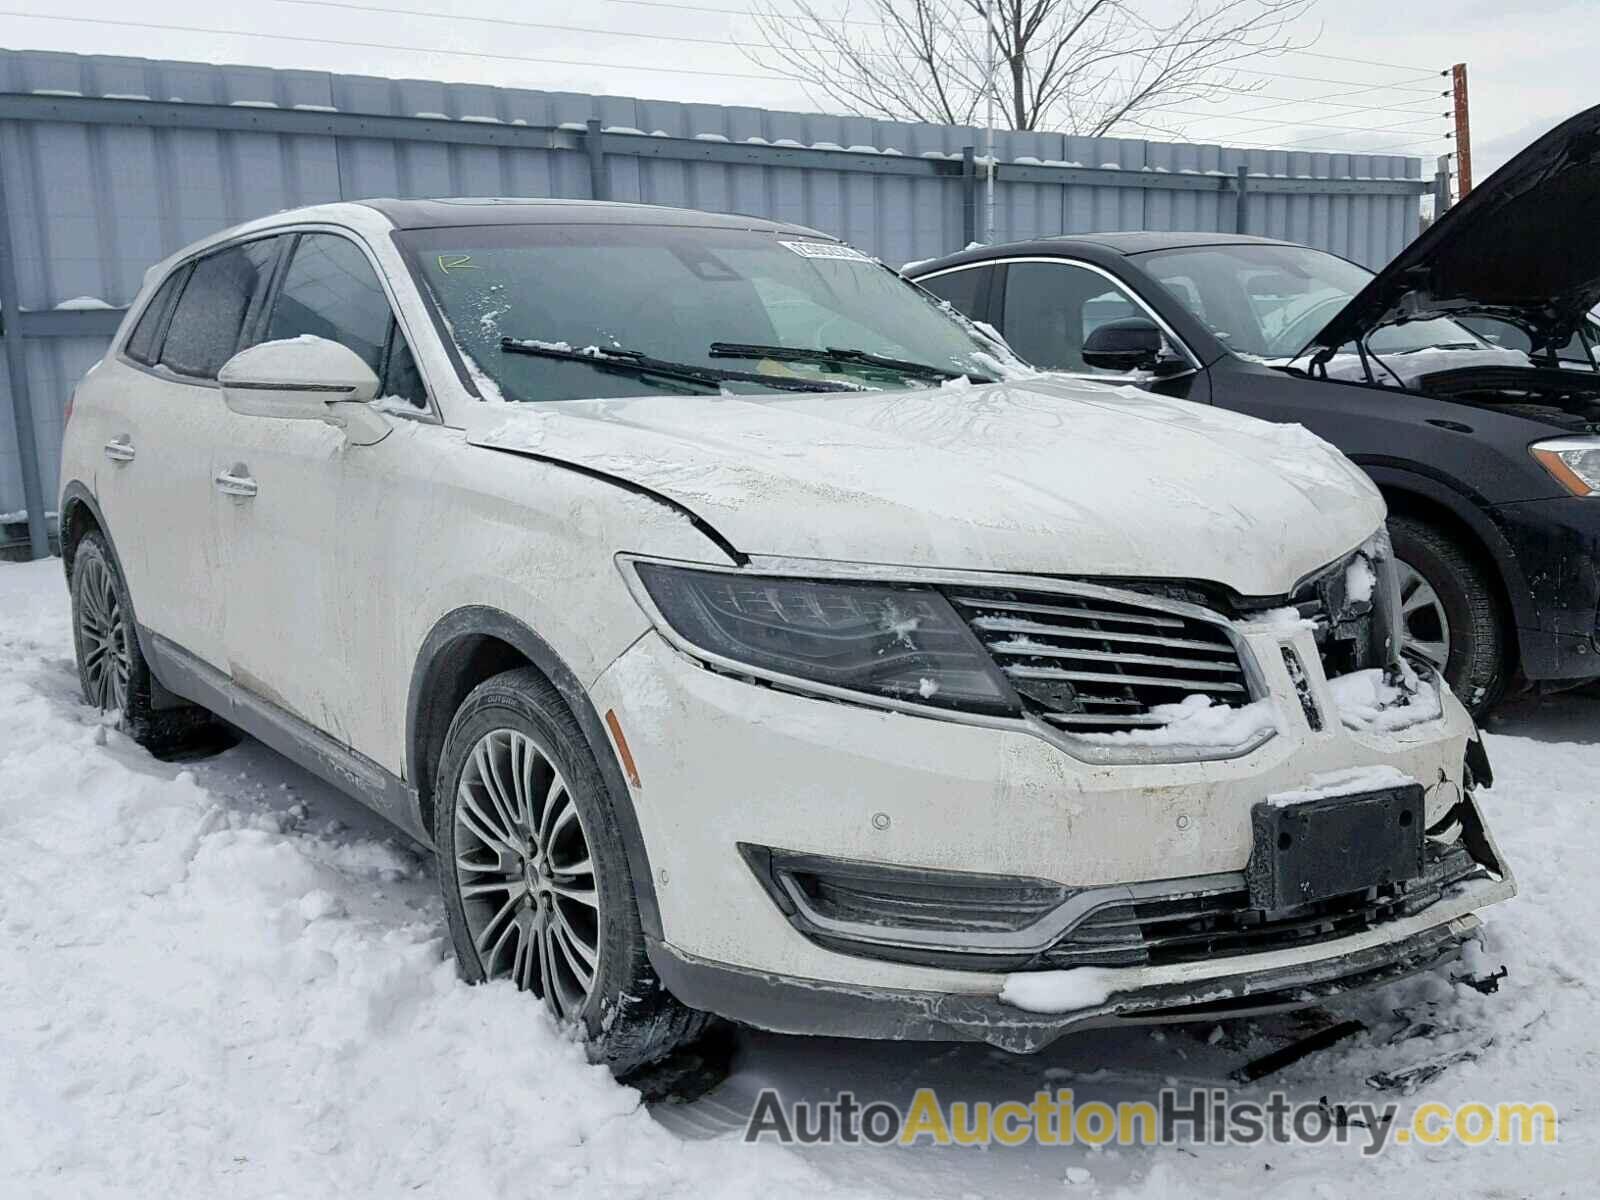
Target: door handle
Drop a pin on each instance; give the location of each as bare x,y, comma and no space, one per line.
120,448
235,481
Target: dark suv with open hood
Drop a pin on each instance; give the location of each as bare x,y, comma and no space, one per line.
1464,377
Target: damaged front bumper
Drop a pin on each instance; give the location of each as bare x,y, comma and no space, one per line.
1241,986
802,851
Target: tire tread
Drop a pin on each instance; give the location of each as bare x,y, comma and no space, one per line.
649,1023
1483,670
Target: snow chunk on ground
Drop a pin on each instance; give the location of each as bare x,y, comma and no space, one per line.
1059,991
1350,782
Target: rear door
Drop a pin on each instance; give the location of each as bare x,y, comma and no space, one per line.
160,468
118,414
310,510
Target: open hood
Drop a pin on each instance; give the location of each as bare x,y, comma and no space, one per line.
1047,476
1521,247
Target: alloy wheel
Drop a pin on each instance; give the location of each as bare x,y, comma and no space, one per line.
525,873
1425,627
102,637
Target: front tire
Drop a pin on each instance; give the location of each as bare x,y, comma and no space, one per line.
1451,613
536,881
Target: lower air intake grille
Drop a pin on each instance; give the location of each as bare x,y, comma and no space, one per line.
1094,665
1219,924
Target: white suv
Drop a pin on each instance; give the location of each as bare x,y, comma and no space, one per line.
750,635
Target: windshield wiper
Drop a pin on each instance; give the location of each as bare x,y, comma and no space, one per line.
840,354
638,365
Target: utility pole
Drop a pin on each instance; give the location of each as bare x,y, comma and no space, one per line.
1463,135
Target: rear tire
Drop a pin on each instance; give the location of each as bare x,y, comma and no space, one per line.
111,667
536,881
1463,614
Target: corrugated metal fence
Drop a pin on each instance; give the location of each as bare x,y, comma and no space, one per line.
109,164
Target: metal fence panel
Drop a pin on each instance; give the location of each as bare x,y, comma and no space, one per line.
112,163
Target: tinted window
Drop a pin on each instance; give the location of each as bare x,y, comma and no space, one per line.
210,316
1051,307
1271,301
964,289
400,375
330,290
1510,337
141,345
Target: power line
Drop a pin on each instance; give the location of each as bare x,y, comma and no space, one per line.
1392,129
1277,124
389,10
1394,87
1333,100
481,54
360,45
555,28
477,54
1365,62
1287,147
737,12
518,24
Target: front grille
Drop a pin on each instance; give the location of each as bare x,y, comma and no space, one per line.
1094,665
1201,926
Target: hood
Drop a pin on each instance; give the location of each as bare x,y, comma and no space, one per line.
1520,247
1048,476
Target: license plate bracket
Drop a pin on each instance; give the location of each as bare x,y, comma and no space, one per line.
1334,845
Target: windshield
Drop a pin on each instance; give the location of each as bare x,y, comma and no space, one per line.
1270,301
533,308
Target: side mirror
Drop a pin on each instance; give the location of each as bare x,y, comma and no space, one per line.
305,379
1126,345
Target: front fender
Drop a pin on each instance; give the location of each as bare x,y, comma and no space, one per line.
1472,511
436,686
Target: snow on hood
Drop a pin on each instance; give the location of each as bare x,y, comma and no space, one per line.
1045,476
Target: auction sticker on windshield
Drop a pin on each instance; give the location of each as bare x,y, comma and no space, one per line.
826,250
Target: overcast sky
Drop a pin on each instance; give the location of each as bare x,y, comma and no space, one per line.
1530,64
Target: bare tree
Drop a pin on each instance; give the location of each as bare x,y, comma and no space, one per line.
1076,66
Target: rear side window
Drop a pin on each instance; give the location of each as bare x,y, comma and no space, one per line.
222,291
141,345
964,289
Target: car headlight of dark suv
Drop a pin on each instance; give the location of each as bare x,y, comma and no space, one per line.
898,643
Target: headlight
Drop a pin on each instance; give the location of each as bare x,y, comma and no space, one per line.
1573,462
901,643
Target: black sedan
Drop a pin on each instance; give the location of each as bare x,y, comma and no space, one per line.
1464,378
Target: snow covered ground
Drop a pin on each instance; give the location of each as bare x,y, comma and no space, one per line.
220,978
